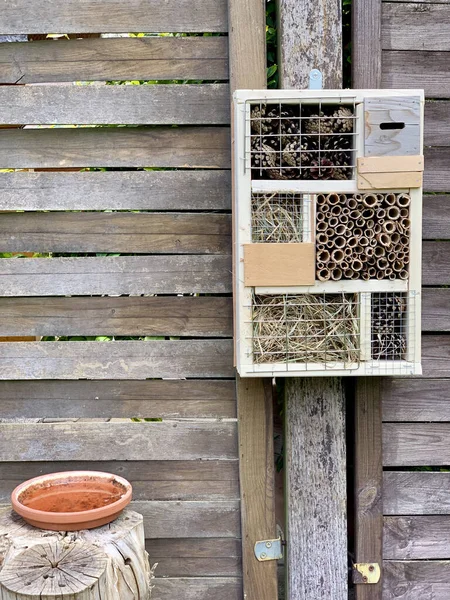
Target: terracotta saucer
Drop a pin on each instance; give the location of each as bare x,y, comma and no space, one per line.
72,500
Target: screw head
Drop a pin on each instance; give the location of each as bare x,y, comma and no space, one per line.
268,544
263,555
371,568
365,579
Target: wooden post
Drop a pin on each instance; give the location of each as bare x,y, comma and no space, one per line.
109,562
311,38
247,37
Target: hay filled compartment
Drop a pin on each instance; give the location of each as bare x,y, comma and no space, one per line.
320,329
281,218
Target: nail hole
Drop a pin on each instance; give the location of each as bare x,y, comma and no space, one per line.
392,126
128,561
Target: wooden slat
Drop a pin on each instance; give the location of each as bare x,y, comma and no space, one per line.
405,69
205,588
116,232
416,444
142,190
132,441
114,16
436,217
418,400
117,399
116,360
366,46
416,537
196,548
117,105
404,27
368,480
412,493
436,264
436,309
416,580
143,316
116,147
197,567
437,123
190,519
191,58
436,356
437,174
115,275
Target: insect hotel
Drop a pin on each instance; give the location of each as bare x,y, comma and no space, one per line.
328,232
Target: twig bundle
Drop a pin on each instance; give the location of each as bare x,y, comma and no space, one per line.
389,313
277,218
306,328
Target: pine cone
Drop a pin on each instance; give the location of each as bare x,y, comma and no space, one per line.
289,125
298,154
343,120
264,155
318,123
264,120
330,121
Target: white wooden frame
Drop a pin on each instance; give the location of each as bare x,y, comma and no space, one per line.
242,226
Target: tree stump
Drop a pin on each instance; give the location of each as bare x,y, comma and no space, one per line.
108,563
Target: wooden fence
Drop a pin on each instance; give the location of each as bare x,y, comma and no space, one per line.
404,511
149,258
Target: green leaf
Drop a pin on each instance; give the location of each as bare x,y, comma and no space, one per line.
272,70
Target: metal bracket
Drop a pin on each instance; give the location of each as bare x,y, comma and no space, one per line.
315,80
269,550
369,573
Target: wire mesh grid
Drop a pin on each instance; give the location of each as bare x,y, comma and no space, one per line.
306,328
281,218
306,139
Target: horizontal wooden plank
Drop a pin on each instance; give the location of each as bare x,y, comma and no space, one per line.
419,400
416,444
195,548
116,360
116,147
190,519
436,217
142,316
197,567
409,26
416,537
115,275
405,69
117,399
436,264
437,175
416,580
204,588
142,190
436,309
437,123
114,16
142,233
117,105
416,493
163,58
117,441
436,356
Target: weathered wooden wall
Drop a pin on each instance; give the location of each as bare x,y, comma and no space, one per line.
413,51
173,231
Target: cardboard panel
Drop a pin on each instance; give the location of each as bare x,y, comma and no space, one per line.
279,264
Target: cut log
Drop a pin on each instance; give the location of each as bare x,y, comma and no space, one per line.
108,563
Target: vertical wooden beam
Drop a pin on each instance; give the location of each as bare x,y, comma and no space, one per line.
310,37
247,37
366,44
368,480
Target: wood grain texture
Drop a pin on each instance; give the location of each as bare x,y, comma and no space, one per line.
117,399
197,567
115,275
313,31
412,26
416,537
316,488
420,400
165,58
255,418
416,493
437,175
116,360
116,232
114,17
141,190
437,123
436,217
416,580
436,309
132,441
435,356
368,480
116,147
366,43
203,588
405,69
153,316
416,444
117,105
279,264
436,266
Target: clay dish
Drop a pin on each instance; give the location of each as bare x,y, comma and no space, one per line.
71,501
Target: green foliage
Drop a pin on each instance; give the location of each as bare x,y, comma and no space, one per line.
347,41
271,38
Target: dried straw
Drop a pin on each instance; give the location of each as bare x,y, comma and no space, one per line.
277,219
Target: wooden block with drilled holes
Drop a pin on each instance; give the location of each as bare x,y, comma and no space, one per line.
279,264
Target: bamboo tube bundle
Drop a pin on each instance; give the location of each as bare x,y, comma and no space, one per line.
306,328
388,336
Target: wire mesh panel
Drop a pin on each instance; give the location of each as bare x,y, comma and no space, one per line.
303,140
281,218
